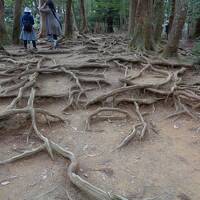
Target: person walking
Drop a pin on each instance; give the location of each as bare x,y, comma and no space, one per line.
28,32
53,24
167,29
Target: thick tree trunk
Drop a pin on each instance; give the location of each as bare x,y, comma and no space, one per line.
132,12
197,28
68,19
123,15
158,19
16,23
75,27
175,35
2,24
172,14
84,27
143,31
42,21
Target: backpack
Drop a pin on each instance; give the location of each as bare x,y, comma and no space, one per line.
28,27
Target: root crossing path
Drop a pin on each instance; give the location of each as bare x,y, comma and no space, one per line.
95,86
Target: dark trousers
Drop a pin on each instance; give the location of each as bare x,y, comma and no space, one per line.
26,42
55,37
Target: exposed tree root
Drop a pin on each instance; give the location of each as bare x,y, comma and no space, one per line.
83,66
82,184
52,148
144,124
22,78
140,60
147,101
129,138
99,110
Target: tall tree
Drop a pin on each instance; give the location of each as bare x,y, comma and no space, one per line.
158,19
68,19
172,13
2,24
122,13
84,27
143,31
132,12
16,23
197,28
175,35
193,18
75,28
42,20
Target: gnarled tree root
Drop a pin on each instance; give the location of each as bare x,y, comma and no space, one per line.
85,186
99,110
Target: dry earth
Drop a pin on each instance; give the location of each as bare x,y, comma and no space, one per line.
163,166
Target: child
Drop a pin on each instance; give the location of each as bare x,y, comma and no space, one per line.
28,33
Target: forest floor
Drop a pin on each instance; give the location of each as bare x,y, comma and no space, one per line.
162,164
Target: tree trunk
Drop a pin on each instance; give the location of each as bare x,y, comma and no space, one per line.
123,18
2,24
16,23
68,19
143,31
197,28
75,27
172,14
132,12
158,19
175,35
84,27
42,21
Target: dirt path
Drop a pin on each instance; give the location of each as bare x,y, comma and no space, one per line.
164,166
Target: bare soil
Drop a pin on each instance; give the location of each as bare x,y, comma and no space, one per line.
163,166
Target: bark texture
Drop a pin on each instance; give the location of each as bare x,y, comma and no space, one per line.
197,28
172,14
2,24
175,35
84,27
75,27
16,23
158,19
143,31
68,20
132,12
42,21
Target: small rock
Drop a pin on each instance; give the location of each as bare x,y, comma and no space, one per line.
85,175
176,126
85,147
104,178
5,183
74,128
44,177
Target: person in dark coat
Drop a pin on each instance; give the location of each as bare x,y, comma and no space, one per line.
53,24
28,33
167,29
110,22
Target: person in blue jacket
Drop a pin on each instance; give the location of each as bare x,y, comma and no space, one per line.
28,33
